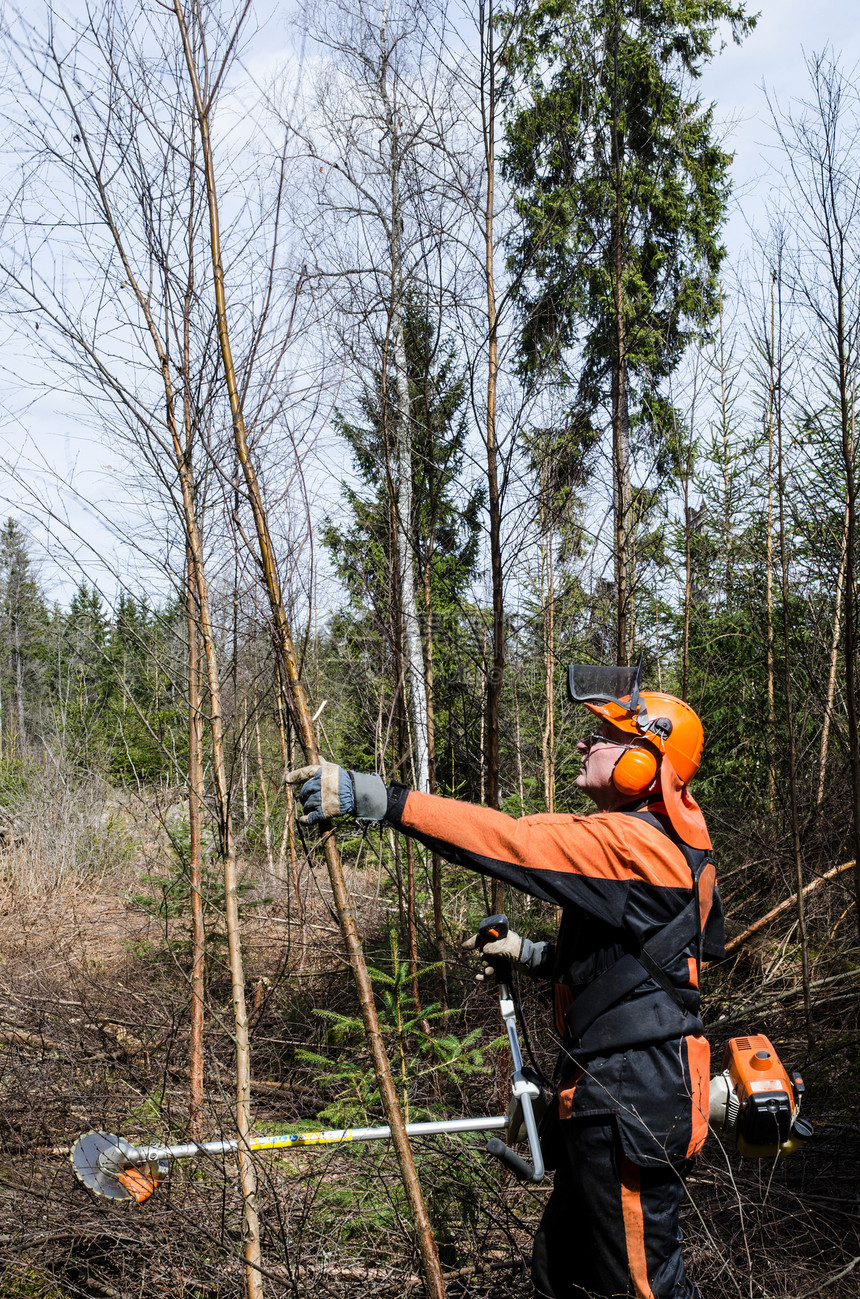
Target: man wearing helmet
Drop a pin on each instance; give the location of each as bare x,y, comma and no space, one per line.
640,912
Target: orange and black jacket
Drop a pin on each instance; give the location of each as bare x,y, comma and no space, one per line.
627,1008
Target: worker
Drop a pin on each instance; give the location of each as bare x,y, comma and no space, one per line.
639,913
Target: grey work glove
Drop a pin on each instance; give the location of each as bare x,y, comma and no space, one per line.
328,790
522,952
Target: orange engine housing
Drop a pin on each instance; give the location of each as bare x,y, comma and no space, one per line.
768,1098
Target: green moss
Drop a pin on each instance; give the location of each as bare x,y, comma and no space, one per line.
24,1281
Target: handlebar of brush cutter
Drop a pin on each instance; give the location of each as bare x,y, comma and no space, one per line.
492,929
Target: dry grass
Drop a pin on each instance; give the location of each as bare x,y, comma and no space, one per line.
65,834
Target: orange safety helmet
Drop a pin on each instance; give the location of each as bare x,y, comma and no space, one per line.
670,728
664,721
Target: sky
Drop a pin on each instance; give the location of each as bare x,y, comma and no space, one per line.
770,63
50,438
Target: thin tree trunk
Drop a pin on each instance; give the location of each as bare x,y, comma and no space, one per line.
19,675
267,828
620,412
483,725
411,918
435,859
301,712
406,549
548,600
520,780
796,849
834,659
688,586
243,759
727,482
247,1171
771,689
494,504
288,837
195,857
850,619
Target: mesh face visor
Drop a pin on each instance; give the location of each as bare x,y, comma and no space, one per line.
593,684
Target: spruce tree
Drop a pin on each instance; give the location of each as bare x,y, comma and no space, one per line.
444,534
621,187
24,630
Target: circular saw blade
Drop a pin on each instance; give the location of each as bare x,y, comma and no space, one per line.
98,1158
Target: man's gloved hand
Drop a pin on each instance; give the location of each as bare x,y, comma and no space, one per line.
328,790
521,951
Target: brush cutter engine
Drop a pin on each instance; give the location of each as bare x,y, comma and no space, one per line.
755,1104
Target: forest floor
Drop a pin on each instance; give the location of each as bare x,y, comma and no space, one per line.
94,1035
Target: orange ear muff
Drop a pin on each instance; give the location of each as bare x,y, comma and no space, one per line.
634,771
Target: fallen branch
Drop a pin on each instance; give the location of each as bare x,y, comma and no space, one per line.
18,1037
738,1012
837,1276
734,943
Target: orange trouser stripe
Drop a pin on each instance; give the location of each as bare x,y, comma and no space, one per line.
634,1229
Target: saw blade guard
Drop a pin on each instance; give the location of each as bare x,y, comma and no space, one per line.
107,1166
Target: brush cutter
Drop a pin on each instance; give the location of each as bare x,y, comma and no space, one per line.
110,1166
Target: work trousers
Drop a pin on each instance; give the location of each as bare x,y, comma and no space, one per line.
610,1227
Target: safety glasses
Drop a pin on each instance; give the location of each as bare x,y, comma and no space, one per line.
593,739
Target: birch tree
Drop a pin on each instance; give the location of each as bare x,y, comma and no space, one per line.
204,80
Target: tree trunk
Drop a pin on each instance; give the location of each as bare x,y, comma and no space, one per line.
247,1171
494,504
796,849
771,691
406,548
267,829
727,480
288,837
620,401
688,589
548,599
19,677
195,859
850,618
520,780
834,659
435,859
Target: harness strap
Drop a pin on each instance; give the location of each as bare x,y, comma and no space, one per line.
596,1011
629,971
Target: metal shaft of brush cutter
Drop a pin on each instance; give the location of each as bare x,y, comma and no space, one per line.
333,1136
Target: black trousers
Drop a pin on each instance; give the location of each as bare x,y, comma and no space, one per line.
610,1228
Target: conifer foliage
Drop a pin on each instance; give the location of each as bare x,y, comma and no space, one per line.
622,187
